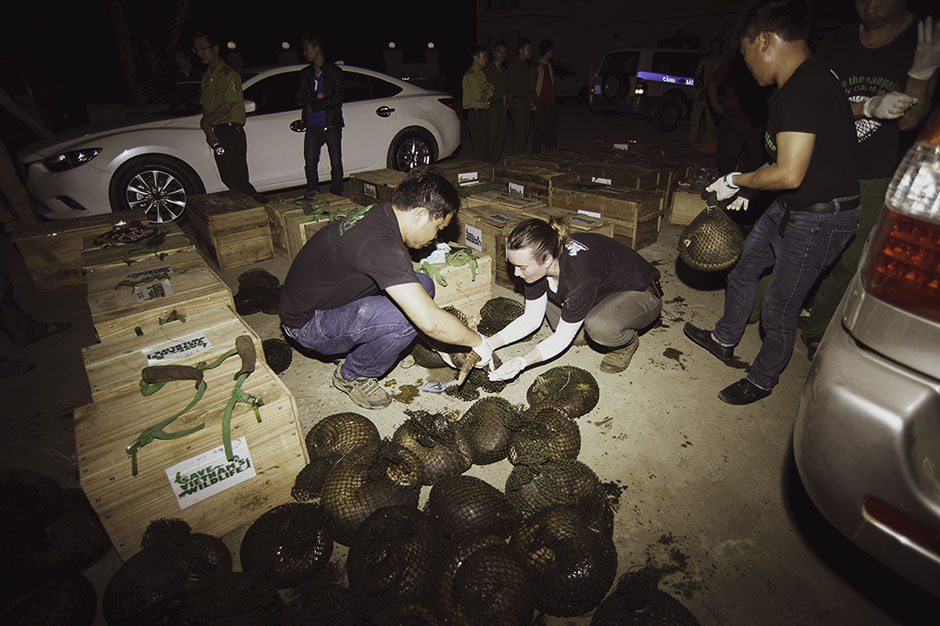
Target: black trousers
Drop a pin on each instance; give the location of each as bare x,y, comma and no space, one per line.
314,138
544,128
233,165
479,123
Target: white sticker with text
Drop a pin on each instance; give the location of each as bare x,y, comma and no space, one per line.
179,349
209,473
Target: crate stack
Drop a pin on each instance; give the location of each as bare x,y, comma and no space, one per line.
375,186
464,283
291,228
231,228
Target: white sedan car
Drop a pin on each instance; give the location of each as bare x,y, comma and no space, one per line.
158,162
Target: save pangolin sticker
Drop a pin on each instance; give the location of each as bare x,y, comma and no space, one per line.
179,349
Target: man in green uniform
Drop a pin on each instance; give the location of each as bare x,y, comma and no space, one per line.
520,89
496,75
476,101
223,116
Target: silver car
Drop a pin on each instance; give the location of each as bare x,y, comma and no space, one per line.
867,436
157,162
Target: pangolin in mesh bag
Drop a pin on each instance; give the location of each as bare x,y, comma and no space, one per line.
249,299
638,601
366,480
439,444
395,559
465,506
258,277
241,599
290,543
484,581
151,587
256,289
327,441
410,614
489,424
48,599
569,388
546,427
277,354
536,483
497,313
319,605
571,565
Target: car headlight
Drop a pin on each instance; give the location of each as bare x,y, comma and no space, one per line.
73,158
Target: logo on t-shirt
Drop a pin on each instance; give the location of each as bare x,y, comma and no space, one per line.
353,218
861,88
574,247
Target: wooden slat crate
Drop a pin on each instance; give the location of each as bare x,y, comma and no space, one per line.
622,174
462,173
579,222
231,228
685,206
637,235
52,251
98,257
480,226
116,311
559,160
284,213
471,306
531,182
509,201
462,282
375,186
609,202
113,368
626,144
475,195
126,504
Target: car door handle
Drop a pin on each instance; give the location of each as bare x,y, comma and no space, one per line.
384,111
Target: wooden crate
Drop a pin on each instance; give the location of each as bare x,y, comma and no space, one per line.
464,173
579,222
609,202
97,257
470,306
285,213
272,449
375,186
475,195
560,160
627,144
480,226
231,228
530,181
504,200
116,311
462,282
52,251
624,174
637,235
113,368
685,206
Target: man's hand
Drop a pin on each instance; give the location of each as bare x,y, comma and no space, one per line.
888,106
724,188
927,53
509,370
485,350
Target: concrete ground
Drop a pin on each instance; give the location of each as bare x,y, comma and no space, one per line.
706,495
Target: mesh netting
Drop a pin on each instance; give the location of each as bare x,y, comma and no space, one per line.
257,277
411,614
711,242
466,506
441,447
492,586
152,586
289,544
488,424
319,605
546,427
425,356
395,558
249,299
309,481
638,601
366,480
477,380
338,434
571,389
277,354
270,301
535,484
52,599
571,566
497,313
240,599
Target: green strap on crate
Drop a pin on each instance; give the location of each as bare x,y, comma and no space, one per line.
454,259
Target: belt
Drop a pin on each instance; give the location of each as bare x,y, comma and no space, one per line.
839,205
655,288
232,124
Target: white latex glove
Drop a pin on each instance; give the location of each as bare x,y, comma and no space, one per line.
446,358
508,370
724,188
485,350
888,106
740,204
927,53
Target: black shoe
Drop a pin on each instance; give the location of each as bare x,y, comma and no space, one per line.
742,392
704,339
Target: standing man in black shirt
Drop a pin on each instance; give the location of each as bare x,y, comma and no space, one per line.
352,289
810,142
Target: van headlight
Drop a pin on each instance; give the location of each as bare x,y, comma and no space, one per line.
73,158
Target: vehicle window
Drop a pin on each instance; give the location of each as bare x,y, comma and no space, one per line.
561,70
383,89
675,63
358,87
624,62
274,94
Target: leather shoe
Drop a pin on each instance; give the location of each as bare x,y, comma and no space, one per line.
742,392
704,338
49,329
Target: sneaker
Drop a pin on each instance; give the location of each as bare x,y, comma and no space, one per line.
616,361
366,392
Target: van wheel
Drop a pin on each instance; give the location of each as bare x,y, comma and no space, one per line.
668,116
614,87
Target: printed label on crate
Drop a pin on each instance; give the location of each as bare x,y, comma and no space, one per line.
162,289
166,269
596,214
369,190
601,181
500,219
621,146
179,349
584,220
209,473
515,189
467,178
473,237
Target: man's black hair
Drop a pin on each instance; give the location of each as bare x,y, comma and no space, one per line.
211,38
477,50
312,39
788,19
428,188
500,43
544,46
521,43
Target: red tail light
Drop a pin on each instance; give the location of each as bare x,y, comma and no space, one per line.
640,88
902,524
450,103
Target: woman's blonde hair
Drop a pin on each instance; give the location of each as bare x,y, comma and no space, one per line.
541,237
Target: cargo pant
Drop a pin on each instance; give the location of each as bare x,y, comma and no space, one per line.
614,321
521,111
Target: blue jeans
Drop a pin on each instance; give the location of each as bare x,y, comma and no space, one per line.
811,242
372,331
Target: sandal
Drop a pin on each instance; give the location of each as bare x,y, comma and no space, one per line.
51,328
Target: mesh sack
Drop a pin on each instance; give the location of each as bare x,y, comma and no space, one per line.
638,601
395,559
52,599
277,354
547,428
339,434
441,447
410,614
465,506
712,242
571,389
289,544
258,277
425,356
25,489
309,482
270,301
319,605
534,485
571,566
489,424
240,599
491,586
366,480
476,380
151,587
497,313
249,299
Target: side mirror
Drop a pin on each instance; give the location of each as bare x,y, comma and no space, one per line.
250,106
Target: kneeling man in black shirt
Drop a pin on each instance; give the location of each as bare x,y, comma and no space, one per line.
352,288
810,142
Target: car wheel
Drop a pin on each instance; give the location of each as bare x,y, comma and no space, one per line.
668,116
410,149
157,184
614,87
